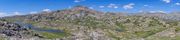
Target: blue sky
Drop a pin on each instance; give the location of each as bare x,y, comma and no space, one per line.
19,7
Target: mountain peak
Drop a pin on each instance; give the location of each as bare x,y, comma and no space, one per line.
80,8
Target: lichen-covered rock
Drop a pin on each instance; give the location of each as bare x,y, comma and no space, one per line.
14,30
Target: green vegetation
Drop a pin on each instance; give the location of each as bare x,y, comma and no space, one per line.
120,26
177,29
53,35
145,34
14,19
1,38
90,22
177,38
113,35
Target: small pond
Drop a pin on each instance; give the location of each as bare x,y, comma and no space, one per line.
30,26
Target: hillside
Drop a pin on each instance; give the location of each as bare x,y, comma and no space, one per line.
82,23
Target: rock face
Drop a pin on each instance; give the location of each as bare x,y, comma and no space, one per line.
15,30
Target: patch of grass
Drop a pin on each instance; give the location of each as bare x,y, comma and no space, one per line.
173,23
2,38
154,23
90,22
177,38
177,29
13,19
159,38
120,26
145,34
53,35
112,35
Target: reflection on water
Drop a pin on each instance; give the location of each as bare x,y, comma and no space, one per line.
30,26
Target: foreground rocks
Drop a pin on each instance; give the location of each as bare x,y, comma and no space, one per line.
15,30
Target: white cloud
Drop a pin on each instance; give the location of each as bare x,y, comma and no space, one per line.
141,11
91,7
146,5
112,6
17,13
46,10
129,6
101,6
178,4
33,12
167,1
2,14
159,11
76,1
152,11
116,7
